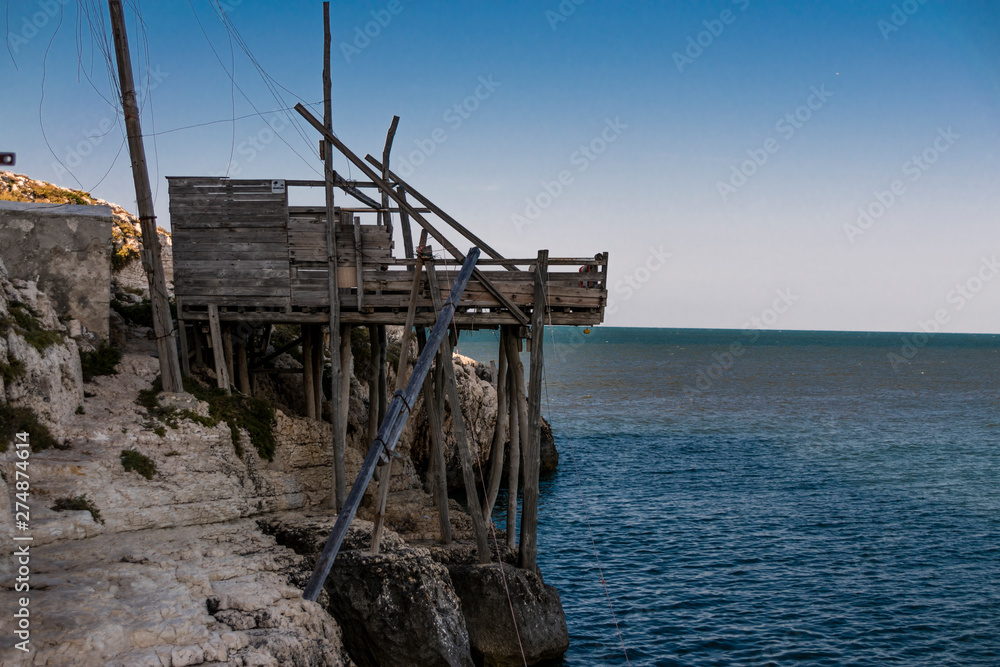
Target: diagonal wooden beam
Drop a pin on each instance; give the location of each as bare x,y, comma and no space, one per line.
402,203
455,224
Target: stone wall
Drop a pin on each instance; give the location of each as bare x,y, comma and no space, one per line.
66,250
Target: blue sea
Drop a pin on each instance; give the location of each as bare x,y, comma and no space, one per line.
772,498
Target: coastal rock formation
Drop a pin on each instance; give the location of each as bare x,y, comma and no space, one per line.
541,632
220,594
41,364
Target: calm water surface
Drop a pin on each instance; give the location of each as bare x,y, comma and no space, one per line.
805,502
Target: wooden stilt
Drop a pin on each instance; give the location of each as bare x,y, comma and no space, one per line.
384,484
339,464
185,354
218,353
532,449
373,375
317,332
436,472
199,344
515,392
383,380
227,350
243,366
499,436
308,367
338,372
461,437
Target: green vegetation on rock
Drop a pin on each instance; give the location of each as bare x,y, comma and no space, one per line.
14,420
102,361
139,462
78,504
253,414
24,321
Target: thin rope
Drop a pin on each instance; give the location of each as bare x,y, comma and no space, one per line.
583,500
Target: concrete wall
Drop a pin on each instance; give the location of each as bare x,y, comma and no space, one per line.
67,250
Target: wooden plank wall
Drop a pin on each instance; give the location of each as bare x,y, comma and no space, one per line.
230,242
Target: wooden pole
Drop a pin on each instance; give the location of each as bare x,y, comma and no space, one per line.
499,437
218,353
461,436
385,216
166,344
318,340
243,366
337,372
515,370
388,434
308,383
438,474
532,449
227,348
384,484
199,344
404,224
373,372
383,362
185,353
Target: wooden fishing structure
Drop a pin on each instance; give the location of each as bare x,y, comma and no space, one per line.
245,260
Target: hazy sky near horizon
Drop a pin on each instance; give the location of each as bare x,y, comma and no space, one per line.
801,165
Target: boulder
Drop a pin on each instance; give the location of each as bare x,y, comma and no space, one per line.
541,624
397,608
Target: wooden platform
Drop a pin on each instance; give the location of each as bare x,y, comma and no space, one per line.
237,245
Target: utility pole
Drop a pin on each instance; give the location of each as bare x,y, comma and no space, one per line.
163,327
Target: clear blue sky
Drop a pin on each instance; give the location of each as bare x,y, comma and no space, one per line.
720,194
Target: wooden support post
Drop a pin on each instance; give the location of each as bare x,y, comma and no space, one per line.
227,349
185,354
383,380
199,344
338,418
461,437
384,484
340,468
243,366
163,328
318,368
499,436
515,391
218,353
308,382
385,215
404,224
359,264
532,449
373,398
438,472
